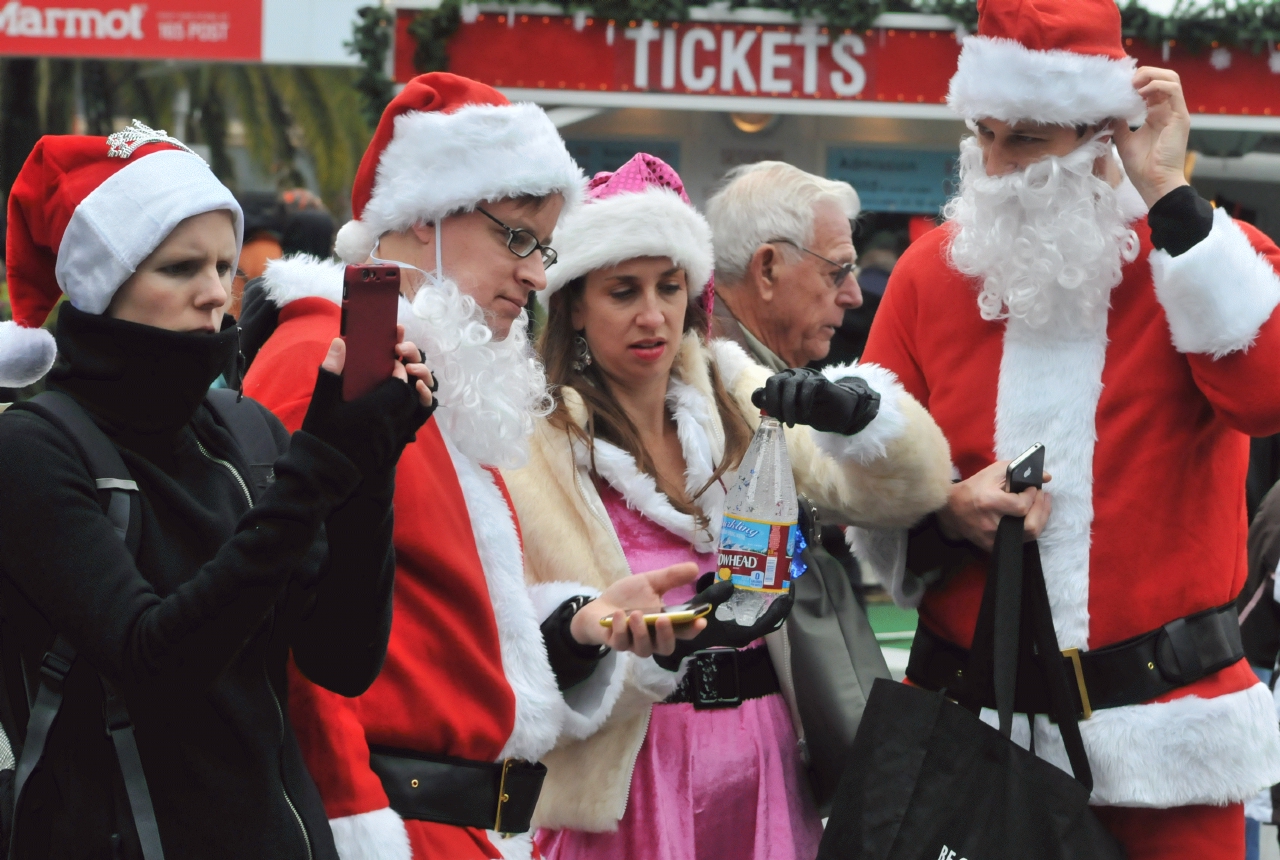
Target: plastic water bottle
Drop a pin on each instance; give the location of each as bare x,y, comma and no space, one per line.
759,538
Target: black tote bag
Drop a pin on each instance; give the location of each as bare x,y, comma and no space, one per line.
927,780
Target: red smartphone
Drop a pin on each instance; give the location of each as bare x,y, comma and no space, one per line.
370,303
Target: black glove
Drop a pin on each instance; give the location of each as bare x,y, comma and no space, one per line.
799,395
371,430
725,634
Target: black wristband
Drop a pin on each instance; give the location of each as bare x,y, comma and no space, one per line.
1180,220
571,661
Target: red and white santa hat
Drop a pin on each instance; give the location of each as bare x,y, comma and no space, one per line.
639,210
84,212
1050,61
444,144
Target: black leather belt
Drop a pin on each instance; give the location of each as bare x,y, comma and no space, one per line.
1126,673
725,678
487,795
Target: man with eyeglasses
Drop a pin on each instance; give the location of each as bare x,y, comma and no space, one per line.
784,261
483,675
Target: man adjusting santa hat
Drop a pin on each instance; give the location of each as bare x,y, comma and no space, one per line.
1083,296
439,758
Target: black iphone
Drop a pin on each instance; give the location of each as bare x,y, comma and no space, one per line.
1026,470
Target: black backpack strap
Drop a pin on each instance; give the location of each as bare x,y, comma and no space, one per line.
248,426
120,727
111,476
54,669
100,455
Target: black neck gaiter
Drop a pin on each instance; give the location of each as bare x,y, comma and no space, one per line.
141,380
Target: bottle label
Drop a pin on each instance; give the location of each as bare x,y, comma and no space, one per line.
756,554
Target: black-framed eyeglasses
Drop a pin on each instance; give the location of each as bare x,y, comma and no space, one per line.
842,272
522,243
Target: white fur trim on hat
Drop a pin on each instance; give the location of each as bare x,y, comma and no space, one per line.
26,354
651,223
124,219
441,163
1002,79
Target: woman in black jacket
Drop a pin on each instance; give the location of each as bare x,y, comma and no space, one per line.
194,630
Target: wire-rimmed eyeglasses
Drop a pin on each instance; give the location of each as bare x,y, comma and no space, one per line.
843,270
522,243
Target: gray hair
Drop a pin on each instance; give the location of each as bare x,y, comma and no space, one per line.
765,201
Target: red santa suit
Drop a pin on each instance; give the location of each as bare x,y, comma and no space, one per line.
1145,417
466,674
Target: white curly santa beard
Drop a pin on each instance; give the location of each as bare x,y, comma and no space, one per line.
1047,242
490,390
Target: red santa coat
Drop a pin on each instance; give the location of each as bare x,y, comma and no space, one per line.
466,673
1146,441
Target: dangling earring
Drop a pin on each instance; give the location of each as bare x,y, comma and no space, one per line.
582,354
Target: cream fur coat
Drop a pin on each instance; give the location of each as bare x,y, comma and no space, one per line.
891,474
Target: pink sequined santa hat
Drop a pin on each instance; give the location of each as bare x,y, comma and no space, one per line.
639,210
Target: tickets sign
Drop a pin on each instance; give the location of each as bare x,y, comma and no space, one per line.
595,61
156,29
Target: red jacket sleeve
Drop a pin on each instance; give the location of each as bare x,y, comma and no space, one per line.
890,343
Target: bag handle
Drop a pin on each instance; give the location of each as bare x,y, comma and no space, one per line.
1014,638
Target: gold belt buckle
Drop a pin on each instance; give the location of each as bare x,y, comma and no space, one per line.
1073,654
503,797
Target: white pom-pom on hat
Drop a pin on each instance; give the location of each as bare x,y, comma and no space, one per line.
26,354
354,242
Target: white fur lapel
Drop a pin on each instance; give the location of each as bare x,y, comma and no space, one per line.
701,441
1061,415
539,706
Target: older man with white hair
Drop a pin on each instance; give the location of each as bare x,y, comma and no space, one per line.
784,262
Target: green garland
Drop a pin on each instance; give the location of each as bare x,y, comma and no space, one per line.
1252,24
370,41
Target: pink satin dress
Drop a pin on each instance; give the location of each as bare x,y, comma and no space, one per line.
724,784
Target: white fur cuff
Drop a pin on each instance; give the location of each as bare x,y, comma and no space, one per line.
377,835
655,681
547,596
872,442
1218,294
590,703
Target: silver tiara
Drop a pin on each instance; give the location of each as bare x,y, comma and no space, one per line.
123,143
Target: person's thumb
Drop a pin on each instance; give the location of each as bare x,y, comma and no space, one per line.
662,581
336,358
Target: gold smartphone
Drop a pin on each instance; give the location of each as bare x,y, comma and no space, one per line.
685,613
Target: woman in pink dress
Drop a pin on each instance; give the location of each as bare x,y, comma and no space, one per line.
628,474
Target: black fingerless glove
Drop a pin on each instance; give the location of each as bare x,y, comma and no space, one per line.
725,634
799,395
571,661
371,430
